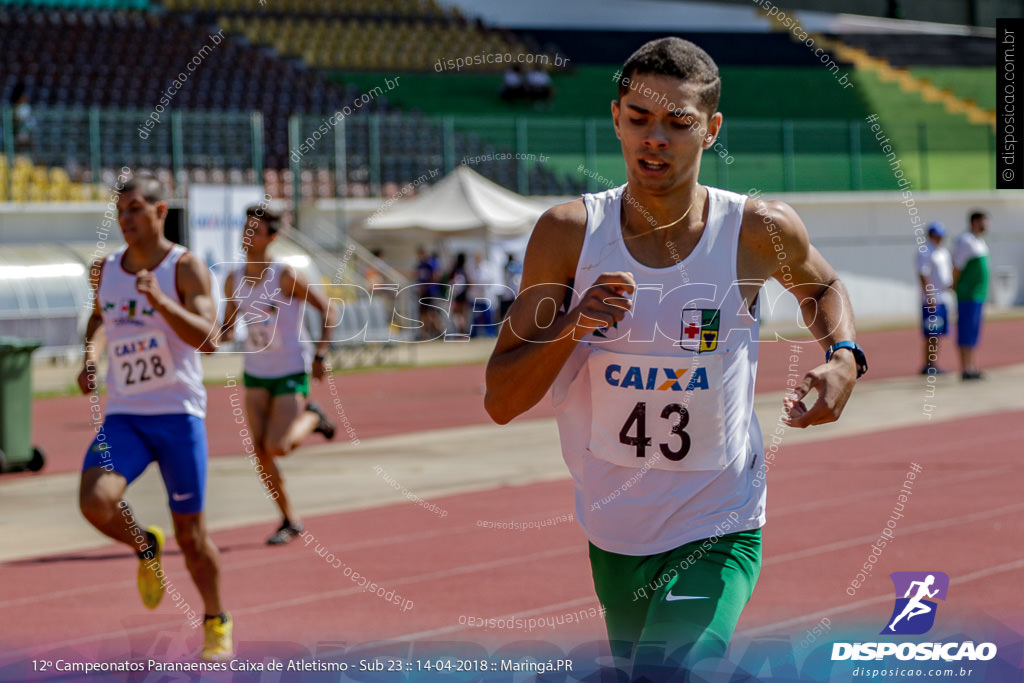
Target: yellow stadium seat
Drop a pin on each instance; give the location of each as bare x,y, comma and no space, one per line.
59,176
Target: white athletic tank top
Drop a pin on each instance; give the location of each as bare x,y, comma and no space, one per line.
273,323
656,414
151,371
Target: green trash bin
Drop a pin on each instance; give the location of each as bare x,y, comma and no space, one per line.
16,451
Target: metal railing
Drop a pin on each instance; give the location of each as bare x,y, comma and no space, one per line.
371,154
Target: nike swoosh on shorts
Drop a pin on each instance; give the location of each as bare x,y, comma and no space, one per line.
178,497
671,598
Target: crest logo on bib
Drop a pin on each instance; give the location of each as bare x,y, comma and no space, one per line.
699,329
128,311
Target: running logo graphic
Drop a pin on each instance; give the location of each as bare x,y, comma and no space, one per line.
914,613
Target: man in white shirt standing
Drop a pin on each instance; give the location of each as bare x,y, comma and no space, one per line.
935,271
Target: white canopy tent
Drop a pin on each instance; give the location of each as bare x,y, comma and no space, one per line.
462,201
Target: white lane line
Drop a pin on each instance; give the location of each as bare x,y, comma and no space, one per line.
913,529
317,598
853,606
579,602
271,559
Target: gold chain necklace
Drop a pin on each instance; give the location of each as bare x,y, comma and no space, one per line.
660,227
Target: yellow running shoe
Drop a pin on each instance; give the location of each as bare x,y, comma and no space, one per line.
151,588
217,645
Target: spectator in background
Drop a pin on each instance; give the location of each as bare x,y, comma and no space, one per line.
436,288
372,274
935,270
377,283
482,294
970,280
513,85
426,278
513,278
459,282
24,123
538,84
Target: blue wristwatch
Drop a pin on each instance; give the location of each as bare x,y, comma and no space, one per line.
858,355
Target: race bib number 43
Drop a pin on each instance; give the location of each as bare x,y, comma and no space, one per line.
664,412
142,363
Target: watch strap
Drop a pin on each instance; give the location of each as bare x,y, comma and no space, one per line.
858,355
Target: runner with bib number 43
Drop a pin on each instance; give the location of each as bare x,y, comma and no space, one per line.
651,362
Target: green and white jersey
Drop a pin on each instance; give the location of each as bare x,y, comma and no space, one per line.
970,257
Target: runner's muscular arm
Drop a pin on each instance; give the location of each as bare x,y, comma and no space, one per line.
87,377
227,330
195,319
536,340
298,286
792,260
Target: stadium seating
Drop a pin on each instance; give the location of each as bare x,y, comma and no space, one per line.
396,8
28,182
129,59
925,49
370,44
80,4
973,83
95,75
358,34
104,71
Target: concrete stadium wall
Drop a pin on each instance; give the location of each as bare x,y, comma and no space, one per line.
868,237
871,236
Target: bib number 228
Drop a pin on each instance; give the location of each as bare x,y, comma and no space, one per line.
144,367
638,419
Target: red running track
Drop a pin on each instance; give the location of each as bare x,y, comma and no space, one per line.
399,401
828,503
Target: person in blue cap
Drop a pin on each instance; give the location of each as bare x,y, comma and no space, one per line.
935,271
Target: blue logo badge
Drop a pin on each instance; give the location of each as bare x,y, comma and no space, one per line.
916,592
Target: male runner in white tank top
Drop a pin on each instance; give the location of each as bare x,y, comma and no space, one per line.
271,297
651,361
153,298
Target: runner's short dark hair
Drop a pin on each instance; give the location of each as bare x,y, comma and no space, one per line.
148,185
681,59
270,217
